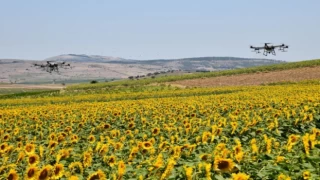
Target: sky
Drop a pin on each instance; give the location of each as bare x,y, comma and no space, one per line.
145,29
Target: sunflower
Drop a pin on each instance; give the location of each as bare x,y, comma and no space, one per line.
106,126
224,165
73,178
118,146
155,131
74,138
52,136
52,144
283,177
64,153
104,149
205,157
91,139
240,176
20,156
133,153
6,137
144,151
293,139
68,129
254,146
33,159
147,145
32,173
188,172
280,159
76,167
19,145
13,175
61,138
159,161
111,161
58,171
306,175
131,125
121,169
45,173
87,159
3,147
97,175
30,148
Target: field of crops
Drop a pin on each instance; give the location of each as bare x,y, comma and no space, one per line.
258,132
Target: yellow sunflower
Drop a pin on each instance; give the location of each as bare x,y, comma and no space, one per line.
76,168
240,176
20,156
155,131
58,171
106,126
52,136
97,175
87,159
74,138
224,165
32,173
3,147
121,169
13,175
147,145
188,172
30,148
91,139
45,173
306,175
33,159
111,161
131,125
19,145
52,144
104,149
283,177
205,157
6,137
73,178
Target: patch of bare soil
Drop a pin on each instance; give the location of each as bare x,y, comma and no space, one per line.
27,86
292,75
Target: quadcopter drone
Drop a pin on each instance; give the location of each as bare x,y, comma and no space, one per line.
53,66
269,49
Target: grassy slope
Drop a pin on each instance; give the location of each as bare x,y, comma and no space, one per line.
275,67
134,84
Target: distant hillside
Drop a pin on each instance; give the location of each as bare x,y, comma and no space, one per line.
186,64
103,68
83,58
269,74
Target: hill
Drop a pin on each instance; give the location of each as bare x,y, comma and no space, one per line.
105,68
294,71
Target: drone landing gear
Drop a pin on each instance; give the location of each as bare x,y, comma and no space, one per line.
265,53
268,52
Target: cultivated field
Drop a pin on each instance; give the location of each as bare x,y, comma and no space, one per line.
260,78
127,130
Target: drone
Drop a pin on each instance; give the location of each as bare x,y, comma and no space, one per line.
53,66
269,49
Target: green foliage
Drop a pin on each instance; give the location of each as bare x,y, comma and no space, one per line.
28,94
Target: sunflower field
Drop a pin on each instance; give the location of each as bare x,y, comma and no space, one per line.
258,132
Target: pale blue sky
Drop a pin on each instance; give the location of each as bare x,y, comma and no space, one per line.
149,29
